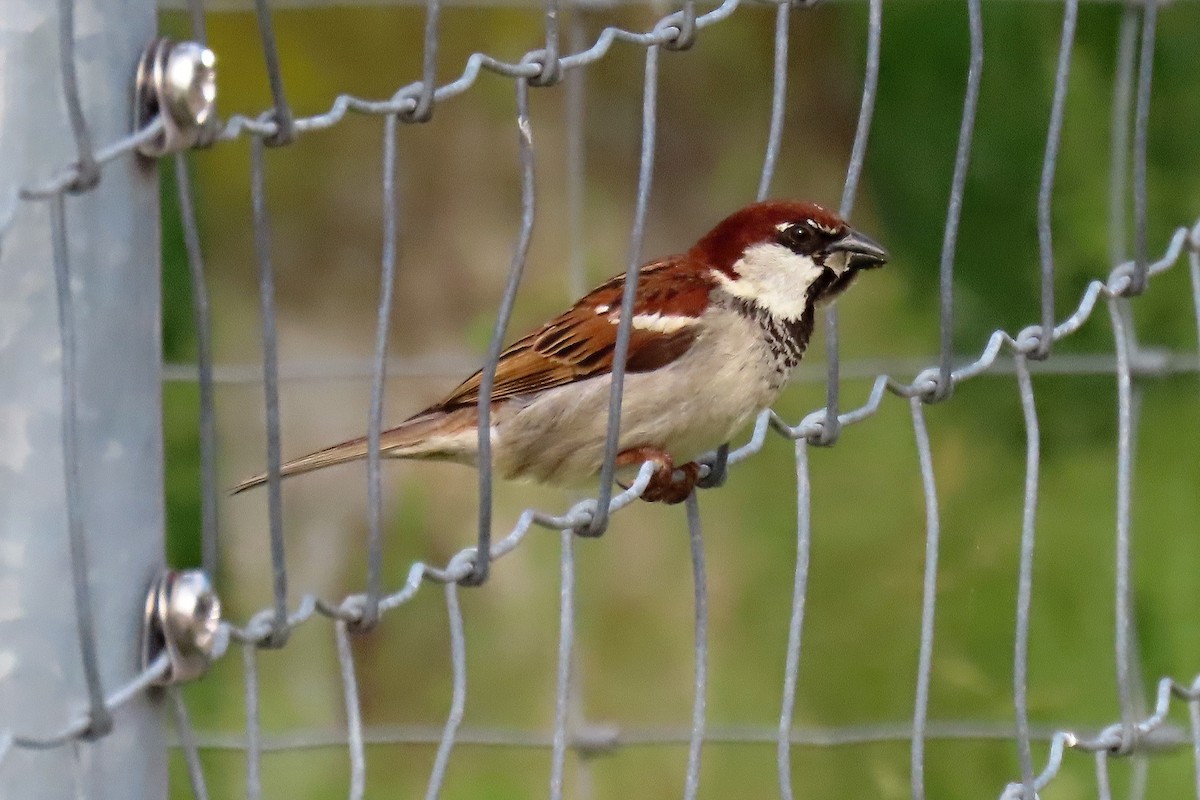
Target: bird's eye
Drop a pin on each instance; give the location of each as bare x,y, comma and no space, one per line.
800,236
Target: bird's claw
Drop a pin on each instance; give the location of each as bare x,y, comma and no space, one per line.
668,484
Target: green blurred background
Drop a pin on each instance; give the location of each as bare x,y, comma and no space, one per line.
459,190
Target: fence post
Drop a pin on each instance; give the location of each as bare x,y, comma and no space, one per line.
112,238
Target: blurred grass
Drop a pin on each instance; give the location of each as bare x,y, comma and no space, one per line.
634,659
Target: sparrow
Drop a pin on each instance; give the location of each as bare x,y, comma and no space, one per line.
716,333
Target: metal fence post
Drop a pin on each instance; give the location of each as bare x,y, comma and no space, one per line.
112,251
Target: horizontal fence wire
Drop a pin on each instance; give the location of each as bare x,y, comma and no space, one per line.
546,66
600,739
1145,361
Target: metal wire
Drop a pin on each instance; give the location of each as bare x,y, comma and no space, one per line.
796,625
1046,188
88,170
201,320
700,607
358,762
458,660
606,740
1141,129
100,721
253,731
575,118
266,293
566,643
387,291
831,429
187,740
783,15
1025,577
962,160
281,114
483,552
928,600
625,325
1122,117
1194,718
1124,597
422,110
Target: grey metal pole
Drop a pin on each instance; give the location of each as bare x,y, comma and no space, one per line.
111,234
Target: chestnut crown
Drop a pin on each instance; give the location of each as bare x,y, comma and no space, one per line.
804,228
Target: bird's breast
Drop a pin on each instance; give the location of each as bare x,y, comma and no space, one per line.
686,408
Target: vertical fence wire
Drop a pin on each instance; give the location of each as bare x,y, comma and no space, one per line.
796,624
423,110
201,321
358,762
700,698
483,555
1123,615
566,645
1194,721
625,326
253,731
1123,334
1103,784
783,15
458,699
1025,575
1141,134
387,291
866,111
281,114
1049,165
566,692
1122,113
831,426
196,17
100,718
928,598
187,741
551,68
962,159
575,112
89,170
266,293
1194,271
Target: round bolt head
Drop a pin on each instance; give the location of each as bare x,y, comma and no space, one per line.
193,612
183,618
190,83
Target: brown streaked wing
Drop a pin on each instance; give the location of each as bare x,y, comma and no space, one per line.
579,343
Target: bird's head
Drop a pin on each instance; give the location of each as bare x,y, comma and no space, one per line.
786,256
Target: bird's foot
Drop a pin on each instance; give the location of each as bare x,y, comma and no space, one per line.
664,486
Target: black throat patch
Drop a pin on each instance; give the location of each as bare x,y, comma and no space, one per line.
786,338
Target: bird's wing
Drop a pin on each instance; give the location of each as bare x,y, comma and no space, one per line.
579,343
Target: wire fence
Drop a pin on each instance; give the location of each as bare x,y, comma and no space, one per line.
1022,353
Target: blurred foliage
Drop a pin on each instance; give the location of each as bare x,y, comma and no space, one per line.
459,215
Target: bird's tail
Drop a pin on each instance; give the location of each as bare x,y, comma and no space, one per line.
429,435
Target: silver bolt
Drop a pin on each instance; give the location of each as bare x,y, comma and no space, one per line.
191,82
176,82
183,615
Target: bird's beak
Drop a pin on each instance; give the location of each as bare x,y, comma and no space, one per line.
860,250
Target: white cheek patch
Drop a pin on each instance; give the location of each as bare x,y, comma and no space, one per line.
657,323
774,277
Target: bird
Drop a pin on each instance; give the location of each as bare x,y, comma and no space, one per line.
716,332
